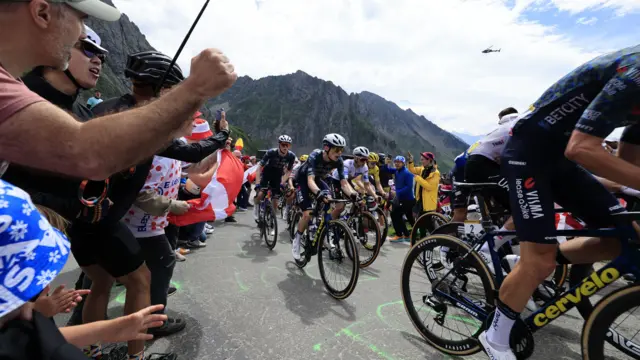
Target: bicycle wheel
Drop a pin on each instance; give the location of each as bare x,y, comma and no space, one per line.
336,239
270,226
384,225
293,228
600,327
440,307
305,250
427,222
367,235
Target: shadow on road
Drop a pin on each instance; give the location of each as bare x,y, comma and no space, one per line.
256,249
307,298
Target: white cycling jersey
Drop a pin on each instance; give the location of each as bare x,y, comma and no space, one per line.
493,143
350,171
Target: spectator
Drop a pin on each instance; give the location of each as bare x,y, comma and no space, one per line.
427,179
94,100
404,199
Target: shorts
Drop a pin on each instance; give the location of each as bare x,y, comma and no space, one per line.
336,189
303,194
460,196
536,182
481,169
114,248
271,179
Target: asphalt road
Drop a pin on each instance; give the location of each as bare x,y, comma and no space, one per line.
243,301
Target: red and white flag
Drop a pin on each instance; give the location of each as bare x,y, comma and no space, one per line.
250,174
216,199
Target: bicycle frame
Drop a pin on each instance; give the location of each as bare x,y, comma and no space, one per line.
626,262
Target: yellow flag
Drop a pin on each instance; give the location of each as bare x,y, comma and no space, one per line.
239,144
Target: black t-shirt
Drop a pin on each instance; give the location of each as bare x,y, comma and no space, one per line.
38,339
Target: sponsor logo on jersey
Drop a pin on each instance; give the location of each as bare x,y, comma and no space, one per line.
528,199
518,163
570,106
497,143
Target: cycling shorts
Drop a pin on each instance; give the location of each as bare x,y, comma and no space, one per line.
537,181
460,196
481,169
271,179
114,248
303,194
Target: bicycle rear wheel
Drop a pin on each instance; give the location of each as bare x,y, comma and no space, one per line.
600,327
367,235
334,242
421,301
270,226
293,228
427,222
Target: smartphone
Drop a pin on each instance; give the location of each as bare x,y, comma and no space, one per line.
216,124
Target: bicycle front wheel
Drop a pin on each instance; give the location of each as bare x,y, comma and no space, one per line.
270,229
427,222
384,225
367,236
339,271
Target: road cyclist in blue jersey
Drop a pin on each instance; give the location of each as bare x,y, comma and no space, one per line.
554,149
271,169
311,181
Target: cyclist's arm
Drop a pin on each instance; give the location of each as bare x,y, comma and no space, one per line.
262,164
628,149
606,112
43,136
346,187
311,182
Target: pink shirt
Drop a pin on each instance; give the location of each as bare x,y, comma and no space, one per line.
14,96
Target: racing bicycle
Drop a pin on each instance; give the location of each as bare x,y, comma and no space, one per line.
267,221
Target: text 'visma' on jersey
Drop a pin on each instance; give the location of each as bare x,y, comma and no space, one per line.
595,98
273,159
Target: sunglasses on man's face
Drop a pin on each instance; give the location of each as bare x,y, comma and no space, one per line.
89,51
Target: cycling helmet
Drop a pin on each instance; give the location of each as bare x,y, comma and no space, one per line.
285,139
149,67
373,157
361,151
334,140
304,157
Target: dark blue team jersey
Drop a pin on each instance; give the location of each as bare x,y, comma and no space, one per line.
272,159
595,98
316,166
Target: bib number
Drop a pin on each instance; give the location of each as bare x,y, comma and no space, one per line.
472,228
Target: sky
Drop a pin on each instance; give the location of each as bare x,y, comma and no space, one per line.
420,54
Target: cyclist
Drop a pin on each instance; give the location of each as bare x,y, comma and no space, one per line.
293,184
355,170
561,133
483,165
310,180
271,170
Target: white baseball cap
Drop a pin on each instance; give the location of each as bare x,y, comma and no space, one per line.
94,8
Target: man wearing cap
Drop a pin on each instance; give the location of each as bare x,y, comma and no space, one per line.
404,198
44,33
427,178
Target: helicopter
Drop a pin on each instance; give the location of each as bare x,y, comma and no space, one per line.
489,50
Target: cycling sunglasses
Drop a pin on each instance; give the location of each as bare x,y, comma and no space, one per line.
90,51
285,144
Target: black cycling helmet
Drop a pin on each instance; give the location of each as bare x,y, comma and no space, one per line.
149,67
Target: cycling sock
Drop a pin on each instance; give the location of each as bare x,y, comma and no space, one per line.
500,329
138,356
298,235
93,351
629,191
560,259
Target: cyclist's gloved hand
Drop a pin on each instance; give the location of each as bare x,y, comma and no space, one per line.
354,197
323,195
95,213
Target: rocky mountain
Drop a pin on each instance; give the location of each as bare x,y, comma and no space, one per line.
298,104
307,108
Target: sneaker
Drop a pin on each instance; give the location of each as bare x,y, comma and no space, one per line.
492,352
180,257
172,290
170,327
209,230
242,210
194,244
183,251
230,219
295,248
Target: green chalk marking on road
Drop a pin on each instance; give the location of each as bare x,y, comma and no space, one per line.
356,337
317,347
176,285
467,320
242,286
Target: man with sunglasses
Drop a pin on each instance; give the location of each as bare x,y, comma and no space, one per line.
271,170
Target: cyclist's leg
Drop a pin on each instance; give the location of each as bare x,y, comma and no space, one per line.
264,182
276,189
584,196
533,213
459,197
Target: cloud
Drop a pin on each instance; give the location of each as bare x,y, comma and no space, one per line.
424,53
587,21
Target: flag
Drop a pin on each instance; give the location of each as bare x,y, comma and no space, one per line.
216,199
239,144
250,174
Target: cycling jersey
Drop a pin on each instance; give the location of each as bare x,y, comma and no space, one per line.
316,166
274,160
492,144
351,171
374,174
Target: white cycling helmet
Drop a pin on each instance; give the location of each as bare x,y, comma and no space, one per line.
285,139
361,151
334,140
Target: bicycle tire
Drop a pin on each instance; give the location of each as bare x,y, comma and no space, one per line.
306,255
427,221
294,225
375,250
270,213
463,347
385,229
351,243
595,331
